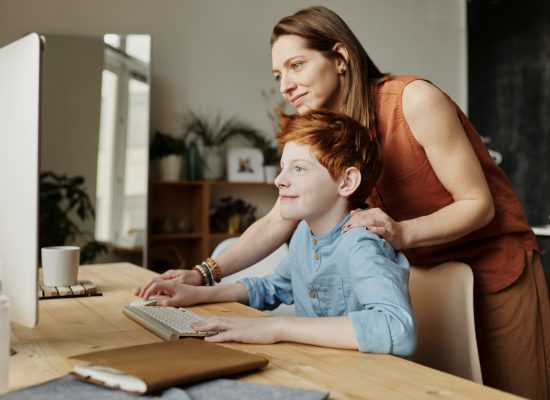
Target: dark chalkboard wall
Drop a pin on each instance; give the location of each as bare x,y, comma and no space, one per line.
509,95
509,92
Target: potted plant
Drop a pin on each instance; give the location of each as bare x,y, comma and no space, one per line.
272,158
212,133
62,201
232,215
168,152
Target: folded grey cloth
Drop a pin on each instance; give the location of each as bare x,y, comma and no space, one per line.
69,387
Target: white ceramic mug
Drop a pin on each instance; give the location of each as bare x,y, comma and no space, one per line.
60,265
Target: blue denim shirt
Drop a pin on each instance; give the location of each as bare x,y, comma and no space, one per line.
357,274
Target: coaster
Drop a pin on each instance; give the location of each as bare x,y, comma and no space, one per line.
81,289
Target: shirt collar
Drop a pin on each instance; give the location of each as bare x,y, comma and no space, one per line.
331,236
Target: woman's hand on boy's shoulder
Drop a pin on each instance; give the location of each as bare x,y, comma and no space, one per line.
378,222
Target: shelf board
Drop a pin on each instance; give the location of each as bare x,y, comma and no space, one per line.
227,183
209,182
223,235
176,183
541,230
127,249
175,236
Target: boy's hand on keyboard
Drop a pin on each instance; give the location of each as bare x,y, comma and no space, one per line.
259,330
188,277
179,295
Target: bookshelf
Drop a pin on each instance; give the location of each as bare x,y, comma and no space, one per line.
179,231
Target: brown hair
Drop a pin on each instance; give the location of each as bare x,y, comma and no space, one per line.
337,142
322,28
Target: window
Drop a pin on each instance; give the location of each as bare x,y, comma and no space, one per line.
123,140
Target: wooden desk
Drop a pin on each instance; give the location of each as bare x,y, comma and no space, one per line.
78,325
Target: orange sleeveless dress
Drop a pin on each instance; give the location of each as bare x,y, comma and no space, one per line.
408,188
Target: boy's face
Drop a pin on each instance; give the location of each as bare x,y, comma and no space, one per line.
306,189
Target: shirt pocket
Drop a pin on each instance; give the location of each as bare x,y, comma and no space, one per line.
329,295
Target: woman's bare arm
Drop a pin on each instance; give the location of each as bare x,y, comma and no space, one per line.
258,241
261,239
435,125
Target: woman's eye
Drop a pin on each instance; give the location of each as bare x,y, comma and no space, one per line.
299,169
295,65
277,77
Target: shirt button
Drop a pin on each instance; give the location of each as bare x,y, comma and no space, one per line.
312,293
314,241
316,256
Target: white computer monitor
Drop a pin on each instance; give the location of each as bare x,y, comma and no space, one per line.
19,175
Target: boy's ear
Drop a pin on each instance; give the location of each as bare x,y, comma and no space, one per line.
349,182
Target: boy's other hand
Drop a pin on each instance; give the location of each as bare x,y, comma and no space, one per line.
259,330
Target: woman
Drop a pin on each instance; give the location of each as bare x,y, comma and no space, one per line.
440,196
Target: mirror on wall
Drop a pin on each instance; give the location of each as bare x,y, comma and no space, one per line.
94,144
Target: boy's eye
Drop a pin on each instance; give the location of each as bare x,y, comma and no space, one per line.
277,77
297,168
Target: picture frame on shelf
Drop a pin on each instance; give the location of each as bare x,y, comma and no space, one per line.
245,164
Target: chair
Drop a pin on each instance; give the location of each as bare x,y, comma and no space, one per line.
442,299
261,268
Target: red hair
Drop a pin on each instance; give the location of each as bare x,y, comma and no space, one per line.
338,142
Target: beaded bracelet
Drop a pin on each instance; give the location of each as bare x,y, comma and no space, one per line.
217,272
209,274
202,274
204,277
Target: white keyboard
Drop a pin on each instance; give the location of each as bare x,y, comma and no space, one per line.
170,323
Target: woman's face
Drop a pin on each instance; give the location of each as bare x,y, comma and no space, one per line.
308,80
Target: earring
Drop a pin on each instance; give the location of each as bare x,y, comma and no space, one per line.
342,71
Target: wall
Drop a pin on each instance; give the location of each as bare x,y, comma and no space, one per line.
213,55
71,98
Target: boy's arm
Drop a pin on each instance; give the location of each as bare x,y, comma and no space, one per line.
222,293
336,332
267,292
379,278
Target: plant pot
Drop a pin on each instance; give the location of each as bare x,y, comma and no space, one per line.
214,163
233,224
194,168
170,167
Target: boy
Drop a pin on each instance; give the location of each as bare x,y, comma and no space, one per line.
356,282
